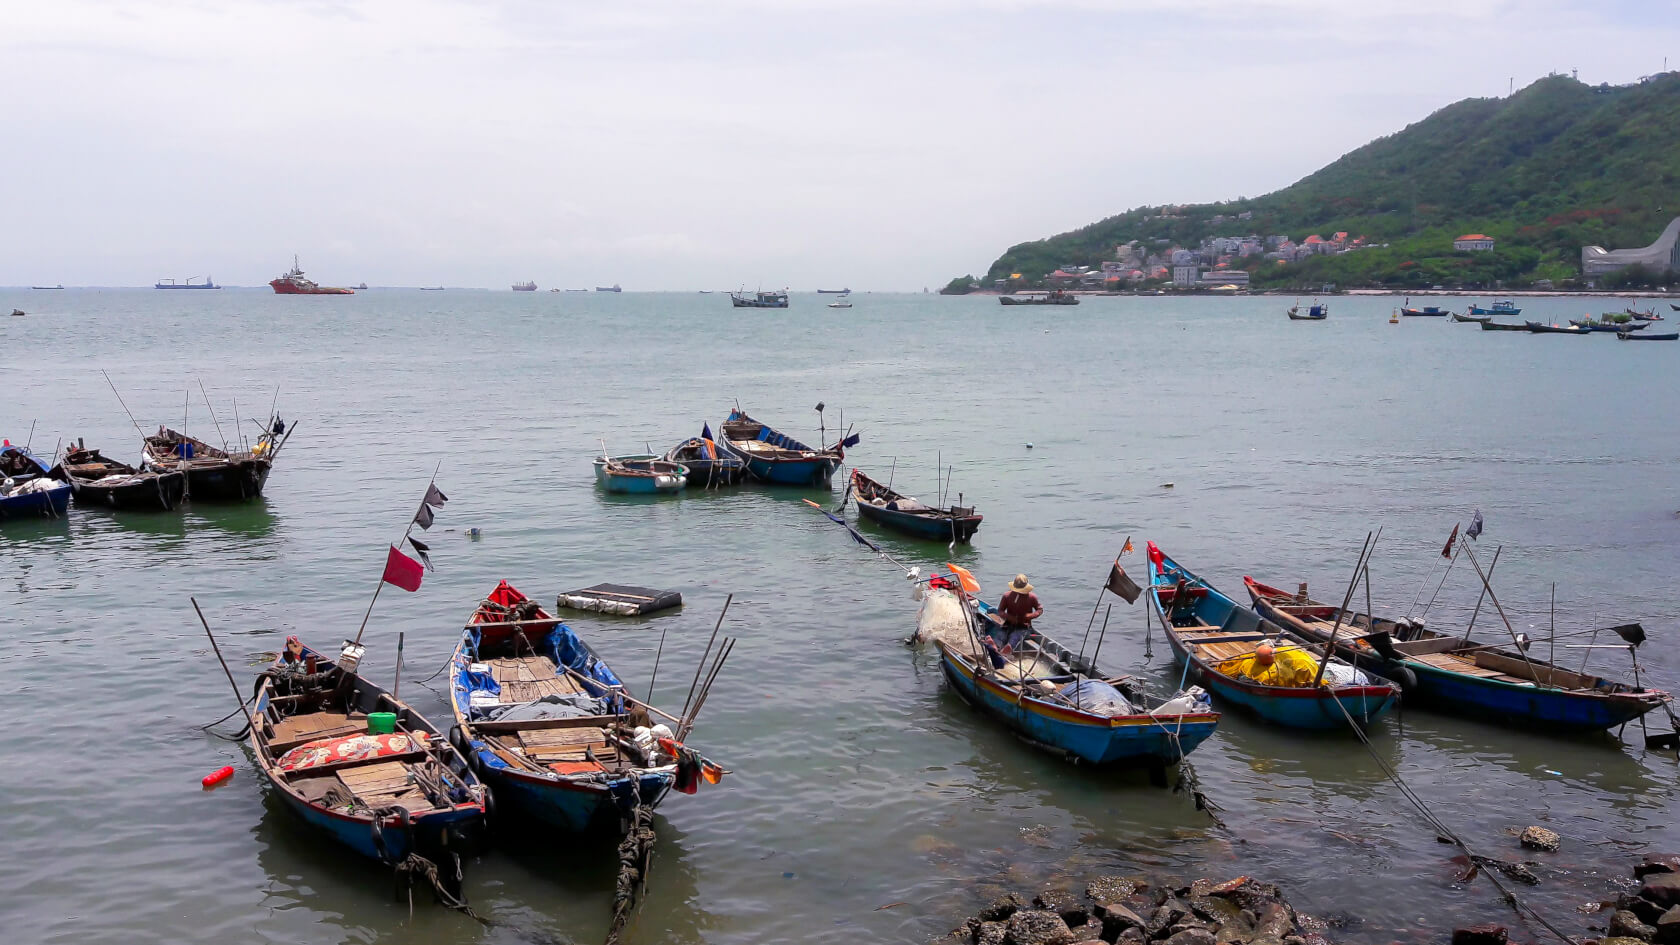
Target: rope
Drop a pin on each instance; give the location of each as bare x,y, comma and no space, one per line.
416,865
634,852
1509,897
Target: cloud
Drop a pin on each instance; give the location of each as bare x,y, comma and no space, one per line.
669,145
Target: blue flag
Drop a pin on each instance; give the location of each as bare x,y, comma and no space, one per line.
1475,526
705,431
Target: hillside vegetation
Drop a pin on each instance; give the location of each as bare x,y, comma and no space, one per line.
1556,166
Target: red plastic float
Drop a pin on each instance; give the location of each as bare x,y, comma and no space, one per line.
218,776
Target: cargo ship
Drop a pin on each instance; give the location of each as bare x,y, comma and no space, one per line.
615,287
208,283
524,287
294,283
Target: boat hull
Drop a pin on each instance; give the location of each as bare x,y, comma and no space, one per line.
53,503
793,472
234,481
940,528
160,493
568,805
282,287
1138,740
615,476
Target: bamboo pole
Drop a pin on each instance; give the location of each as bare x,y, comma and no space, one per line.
250,719
1480,595
702,664
1330,645
1535,674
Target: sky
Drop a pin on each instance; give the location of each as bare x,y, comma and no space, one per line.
687,144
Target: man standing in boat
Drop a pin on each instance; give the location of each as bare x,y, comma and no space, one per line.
1019,608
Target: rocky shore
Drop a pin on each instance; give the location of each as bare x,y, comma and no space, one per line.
1127,911
1648,917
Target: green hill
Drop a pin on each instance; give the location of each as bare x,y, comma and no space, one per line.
1554,167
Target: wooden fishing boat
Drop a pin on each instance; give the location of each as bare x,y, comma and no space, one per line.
215,475
1501,307
1206,629
1449,673
551,728
1540,328
1626,324
99,481
890,509
642,474
709,463
778,458
26,488
1497,326
1062,703
1466,317
383,795
1429,311
1314,313
1647,336
760,299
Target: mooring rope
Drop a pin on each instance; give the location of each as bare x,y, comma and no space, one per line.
1476,861
633,854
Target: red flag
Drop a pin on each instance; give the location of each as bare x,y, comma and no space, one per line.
403,571
1447,551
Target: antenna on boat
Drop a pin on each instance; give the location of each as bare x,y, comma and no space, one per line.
31,435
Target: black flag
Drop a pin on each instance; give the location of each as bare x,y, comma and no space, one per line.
423,518
422,549
1121,584
1475,529
435,497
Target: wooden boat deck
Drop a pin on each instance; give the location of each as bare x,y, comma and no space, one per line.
529,678
294,730
1215,645
551,745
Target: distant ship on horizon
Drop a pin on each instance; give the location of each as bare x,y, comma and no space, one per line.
294,283
524,287
208,283
609,288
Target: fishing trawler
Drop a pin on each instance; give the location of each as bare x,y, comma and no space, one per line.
295,283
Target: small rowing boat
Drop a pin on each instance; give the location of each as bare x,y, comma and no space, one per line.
352,760
1609,325
709,463
883,506
1218,642
1466,317
1449,673
551,728
642,474
26,488
1314,313
1428,311
1498,326
99,481
1647,336
778,458
1052,697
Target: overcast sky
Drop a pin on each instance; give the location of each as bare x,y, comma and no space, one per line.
703,143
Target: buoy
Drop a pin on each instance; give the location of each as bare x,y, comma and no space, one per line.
474,533
1166,485
217,776
1029,446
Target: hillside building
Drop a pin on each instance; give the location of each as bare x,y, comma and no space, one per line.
1663,256
1186,276
1473,243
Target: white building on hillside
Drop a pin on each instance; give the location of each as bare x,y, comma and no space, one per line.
1474,243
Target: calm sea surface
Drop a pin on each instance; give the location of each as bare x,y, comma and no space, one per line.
869,804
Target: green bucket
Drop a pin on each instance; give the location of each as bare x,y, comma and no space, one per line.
382,723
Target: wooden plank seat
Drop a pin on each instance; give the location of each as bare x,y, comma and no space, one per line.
549,745
295,730
1458,664
505,726
382,784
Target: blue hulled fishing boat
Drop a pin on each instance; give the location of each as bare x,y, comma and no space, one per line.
353,761
1219,641
1053,697
551,728
1450,673
889,509
1501,307
709,462
26,491
778,458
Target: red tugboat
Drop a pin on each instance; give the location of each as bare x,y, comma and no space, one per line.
294,283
